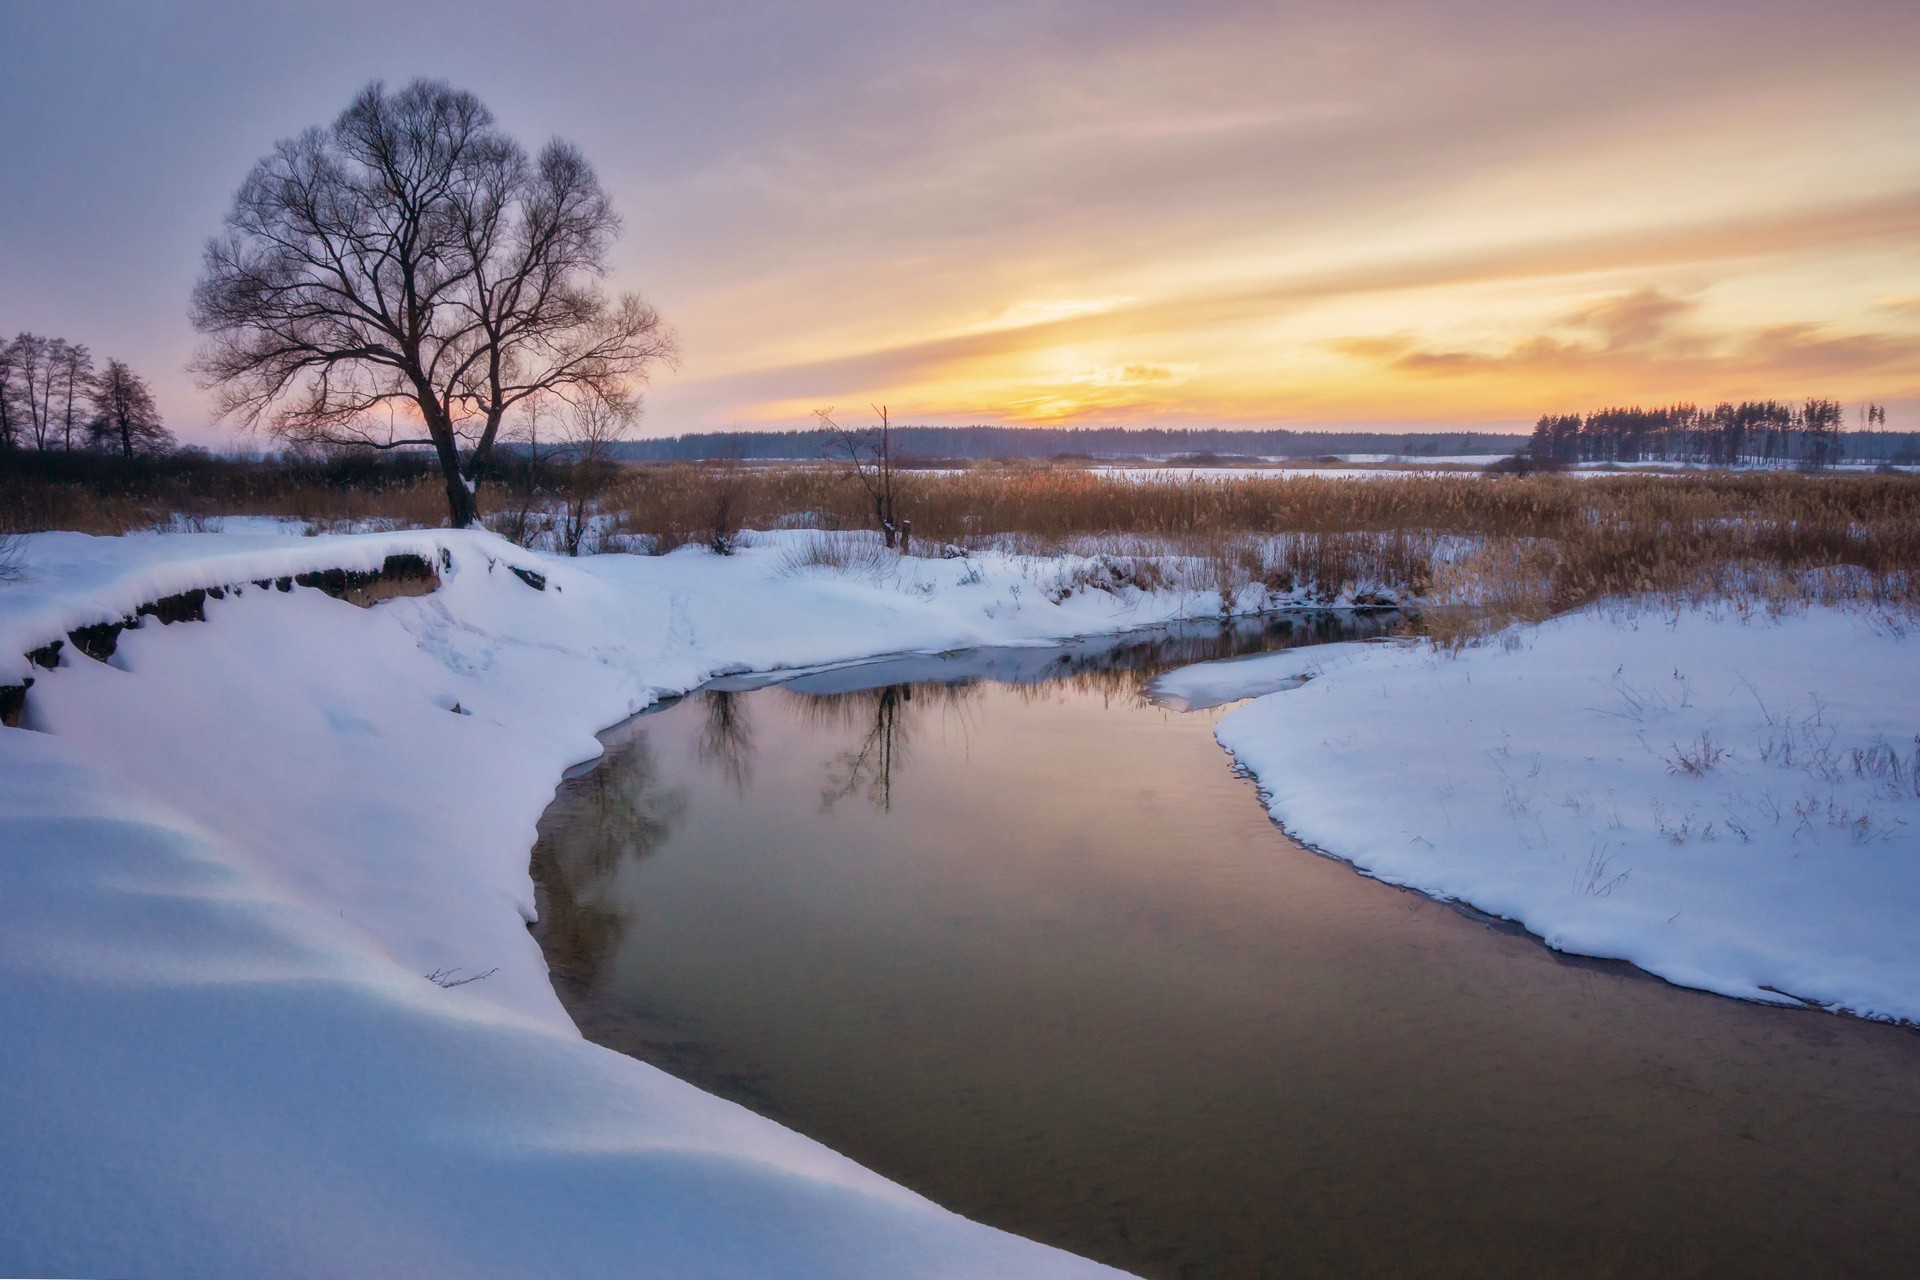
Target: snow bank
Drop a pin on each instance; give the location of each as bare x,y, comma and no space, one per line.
1726,801
238,848
74,580
1208,684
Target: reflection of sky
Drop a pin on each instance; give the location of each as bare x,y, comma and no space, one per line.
1080,211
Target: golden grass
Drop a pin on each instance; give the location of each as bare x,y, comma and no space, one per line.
1063,502
1519,546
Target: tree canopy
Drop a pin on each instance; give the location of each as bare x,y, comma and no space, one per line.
407,275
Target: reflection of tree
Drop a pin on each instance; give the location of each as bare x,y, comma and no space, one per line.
886,718
618,811
1125,667
869,767
726,738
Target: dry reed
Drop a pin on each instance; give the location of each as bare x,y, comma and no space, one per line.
1518,546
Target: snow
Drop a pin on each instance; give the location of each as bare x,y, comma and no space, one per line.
1708,794
1209,684
233,853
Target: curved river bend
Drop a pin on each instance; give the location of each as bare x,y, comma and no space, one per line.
998,928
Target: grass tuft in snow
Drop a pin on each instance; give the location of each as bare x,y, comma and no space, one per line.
856,555
13,557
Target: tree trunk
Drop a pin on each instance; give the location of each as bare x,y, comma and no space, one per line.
462,510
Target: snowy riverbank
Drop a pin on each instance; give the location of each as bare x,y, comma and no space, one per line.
241,856
1725,800
237,848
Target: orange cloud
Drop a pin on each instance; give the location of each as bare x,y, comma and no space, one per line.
1634,345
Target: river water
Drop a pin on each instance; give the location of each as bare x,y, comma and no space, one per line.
1000,929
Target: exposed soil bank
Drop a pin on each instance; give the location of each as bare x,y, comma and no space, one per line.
399,575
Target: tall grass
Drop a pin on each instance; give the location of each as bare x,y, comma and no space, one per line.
1519,546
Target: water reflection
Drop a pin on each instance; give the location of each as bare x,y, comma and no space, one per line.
1109,665
621,811
885,720
726,738
996,927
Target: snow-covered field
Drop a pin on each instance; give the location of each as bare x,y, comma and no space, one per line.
1724,799
239,848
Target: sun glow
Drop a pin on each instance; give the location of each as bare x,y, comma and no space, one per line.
1477,257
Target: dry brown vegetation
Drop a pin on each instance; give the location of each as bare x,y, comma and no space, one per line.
1523,546
91,494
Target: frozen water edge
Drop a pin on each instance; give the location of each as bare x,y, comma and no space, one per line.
1724,800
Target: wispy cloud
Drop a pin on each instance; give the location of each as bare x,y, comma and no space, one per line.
1644,340
1084,208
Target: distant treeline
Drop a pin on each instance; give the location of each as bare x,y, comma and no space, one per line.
53,399
967,443
1753,432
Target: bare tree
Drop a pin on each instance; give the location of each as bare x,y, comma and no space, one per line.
869,456
407,275
125,418
72,375
33,372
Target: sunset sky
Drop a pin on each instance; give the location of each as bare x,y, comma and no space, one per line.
1302,215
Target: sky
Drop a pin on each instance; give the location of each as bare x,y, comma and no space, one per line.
1073,212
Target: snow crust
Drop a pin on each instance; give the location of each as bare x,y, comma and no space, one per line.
1710,795
231,856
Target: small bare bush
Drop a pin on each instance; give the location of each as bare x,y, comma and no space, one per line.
1893,774
1113,574
1698,759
